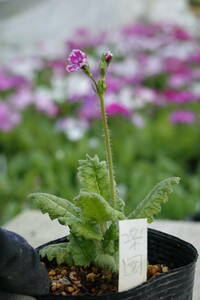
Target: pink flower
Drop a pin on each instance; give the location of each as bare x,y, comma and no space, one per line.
178,80
181,34
152,66
21,98
44,104
89,109
146,95
196,74
141,29
57,65
117,109
18,81
194,58
182,96
183,116
77,60
174,64
138,120
83,38
114,84
11,81
8,118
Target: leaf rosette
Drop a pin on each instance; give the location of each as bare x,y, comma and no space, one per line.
92,220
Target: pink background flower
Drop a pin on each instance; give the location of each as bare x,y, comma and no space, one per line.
183,116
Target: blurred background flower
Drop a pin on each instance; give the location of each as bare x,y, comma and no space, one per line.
49,120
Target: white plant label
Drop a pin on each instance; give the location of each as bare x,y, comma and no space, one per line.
132,253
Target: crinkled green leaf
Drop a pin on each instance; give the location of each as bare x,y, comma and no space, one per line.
95,207
112,233
120,204
83,251
151,204
60,252
107,261
93,177
56,207
111,239
89,231
68,221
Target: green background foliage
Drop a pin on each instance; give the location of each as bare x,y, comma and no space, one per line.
36,158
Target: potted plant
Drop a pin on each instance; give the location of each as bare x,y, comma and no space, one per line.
84,265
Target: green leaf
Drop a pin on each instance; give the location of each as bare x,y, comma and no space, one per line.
68,221
89,231
112,233
56,207
151,203
120,203
83,251
108,262
60,252
93,177
95,207
110,242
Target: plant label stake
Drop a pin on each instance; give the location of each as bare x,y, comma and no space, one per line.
132,253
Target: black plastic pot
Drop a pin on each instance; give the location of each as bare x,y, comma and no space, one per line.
177,284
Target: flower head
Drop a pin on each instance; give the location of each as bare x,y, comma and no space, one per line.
77,59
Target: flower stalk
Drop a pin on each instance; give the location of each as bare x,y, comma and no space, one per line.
108,149
77,61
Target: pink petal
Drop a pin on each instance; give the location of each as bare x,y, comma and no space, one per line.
73,59
71,68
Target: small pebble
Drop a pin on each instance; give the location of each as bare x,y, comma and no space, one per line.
72,275
63,293
165,269
91,276
64,272
75,293
52,273
70,289
53,288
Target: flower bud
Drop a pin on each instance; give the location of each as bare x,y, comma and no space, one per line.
104,63
108,57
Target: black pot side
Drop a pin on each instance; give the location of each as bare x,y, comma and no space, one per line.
177,284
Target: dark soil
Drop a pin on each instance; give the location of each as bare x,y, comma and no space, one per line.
76,280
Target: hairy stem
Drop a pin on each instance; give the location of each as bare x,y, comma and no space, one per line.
108,150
